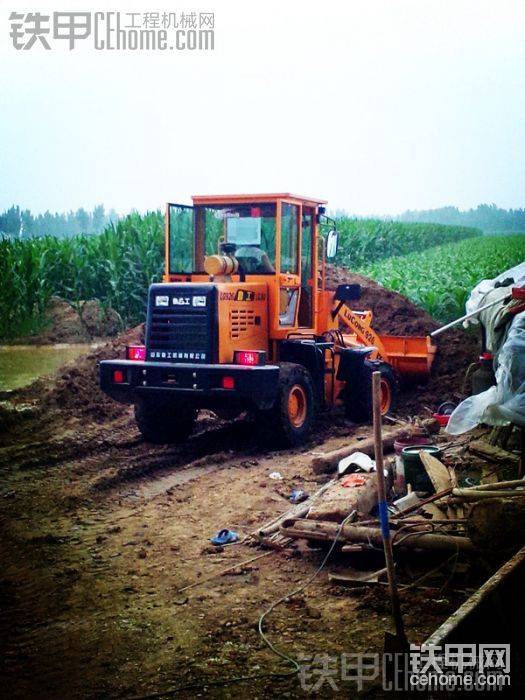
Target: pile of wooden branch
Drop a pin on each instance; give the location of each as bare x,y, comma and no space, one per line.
488,516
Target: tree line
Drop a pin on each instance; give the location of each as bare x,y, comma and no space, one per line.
488,217
22,224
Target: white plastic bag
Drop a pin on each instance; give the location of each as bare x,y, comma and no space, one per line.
505,402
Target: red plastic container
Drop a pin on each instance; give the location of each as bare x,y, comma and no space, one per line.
401,443
441,418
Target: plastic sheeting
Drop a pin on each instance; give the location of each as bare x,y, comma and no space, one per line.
478,294
505,402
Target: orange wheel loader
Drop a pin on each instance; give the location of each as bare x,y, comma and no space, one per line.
243,322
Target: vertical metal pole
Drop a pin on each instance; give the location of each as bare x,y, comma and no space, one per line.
383,509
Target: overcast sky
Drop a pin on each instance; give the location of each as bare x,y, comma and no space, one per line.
376,105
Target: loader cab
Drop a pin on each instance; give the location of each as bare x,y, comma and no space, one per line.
274,239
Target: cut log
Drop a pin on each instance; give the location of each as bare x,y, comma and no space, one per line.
327,462
492,453
323,531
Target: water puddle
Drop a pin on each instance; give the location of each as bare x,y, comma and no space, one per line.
22,364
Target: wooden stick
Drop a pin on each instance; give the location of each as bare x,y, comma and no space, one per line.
444,633
383,509
402,514
298,511
498,485
472,495
325,531
225,571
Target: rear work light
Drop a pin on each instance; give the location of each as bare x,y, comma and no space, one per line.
228,383
249,358
136,352
118,376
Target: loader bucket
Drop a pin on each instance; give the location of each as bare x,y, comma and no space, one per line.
411,356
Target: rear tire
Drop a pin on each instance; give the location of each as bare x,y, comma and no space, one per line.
290,420
163,424
358,399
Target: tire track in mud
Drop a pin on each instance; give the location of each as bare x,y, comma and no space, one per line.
51,451
207,449
217,443
64,567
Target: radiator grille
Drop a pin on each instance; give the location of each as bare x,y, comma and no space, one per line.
182,333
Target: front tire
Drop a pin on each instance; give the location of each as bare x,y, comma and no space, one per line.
290,420
164,425
358,399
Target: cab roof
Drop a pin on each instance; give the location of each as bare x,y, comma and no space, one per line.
208,199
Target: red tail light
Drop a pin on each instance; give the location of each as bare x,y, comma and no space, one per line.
249,358
118,376
228,383
136,352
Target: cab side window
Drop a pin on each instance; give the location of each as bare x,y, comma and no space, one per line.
289,236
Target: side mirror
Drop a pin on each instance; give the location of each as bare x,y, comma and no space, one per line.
332,241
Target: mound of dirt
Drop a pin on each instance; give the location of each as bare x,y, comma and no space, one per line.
395,314
65,325
75,389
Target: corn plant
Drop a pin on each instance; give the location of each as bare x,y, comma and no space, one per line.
363,241
440,279
115,267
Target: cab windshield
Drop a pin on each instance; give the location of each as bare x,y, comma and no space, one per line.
248,229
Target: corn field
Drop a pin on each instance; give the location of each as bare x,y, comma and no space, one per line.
440,279
362,241
117,266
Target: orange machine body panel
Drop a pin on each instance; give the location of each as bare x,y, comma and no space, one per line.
243,318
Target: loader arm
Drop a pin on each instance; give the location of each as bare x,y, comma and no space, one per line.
359,324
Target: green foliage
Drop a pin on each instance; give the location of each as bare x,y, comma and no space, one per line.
363,241
115,267
440,279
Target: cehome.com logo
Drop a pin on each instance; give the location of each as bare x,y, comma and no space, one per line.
114,31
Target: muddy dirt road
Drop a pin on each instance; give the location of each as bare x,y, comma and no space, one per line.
100,531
